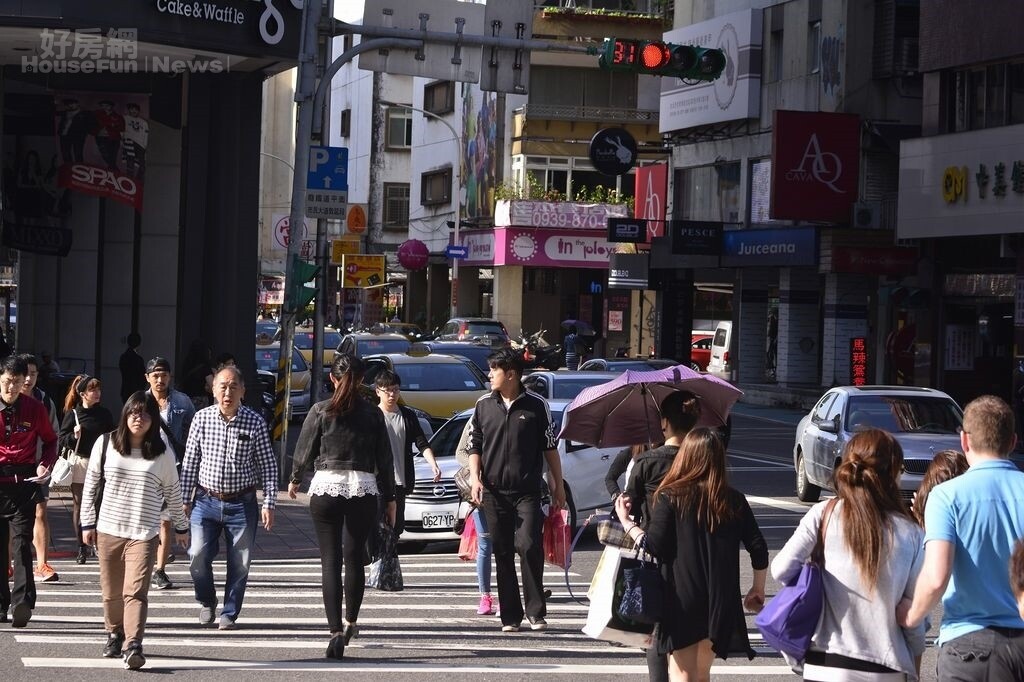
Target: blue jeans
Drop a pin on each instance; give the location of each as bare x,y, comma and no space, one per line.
483,552
237,521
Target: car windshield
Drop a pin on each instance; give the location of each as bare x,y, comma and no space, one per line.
484,328
374,346
639,365
304,340
904,414
435,376
267,359
570,388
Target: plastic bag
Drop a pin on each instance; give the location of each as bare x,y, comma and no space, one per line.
558,539
386,571
470,539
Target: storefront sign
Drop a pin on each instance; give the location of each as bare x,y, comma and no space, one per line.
874,260
628,271
558,214
44,239
612,151
960,347
362,271
480,247
556,248
815,165
627,230
343,247
736,94
696,238
652,197
283,234
858,361
759,248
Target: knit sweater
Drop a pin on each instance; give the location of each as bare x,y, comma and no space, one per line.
857,621
134,492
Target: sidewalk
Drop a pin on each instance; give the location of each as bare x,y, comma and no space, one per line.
292,537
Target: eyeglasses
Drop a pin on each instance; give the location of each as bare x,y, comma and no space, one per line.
390,390
12,381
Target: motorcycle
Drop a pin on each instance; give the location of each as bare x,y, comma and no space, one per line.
537,352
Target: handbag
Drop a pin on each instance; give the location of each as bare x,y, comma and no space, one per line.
610,533
557,538
464,482
468,545
62,473
790,619
643,591
386,571
603,619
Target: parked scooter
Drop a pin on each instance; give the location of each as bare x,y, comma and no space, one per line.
537,352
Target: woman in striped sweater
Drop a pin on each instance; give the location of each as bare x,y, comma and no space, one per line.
131,475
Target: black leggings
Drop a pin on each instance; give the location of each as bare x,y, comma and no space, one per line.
342,526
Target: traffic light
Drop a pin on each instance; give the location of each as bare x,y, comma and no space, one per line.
299,294
658,58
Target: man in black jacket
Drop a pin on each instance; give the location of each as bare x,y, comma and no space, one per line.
511,437
403,430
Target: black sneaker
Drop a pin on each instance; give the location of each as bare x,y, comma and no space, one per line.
160,580
115,642
537,623
133,658
20,615
83,554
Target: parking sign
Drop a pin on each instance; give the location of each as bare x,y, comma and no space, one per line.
327,182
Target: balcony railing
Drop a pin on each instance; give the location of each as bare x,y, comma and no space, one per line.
582,113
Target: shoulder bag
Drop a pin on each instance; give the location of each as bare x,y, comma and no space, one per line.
643,591
788,622
97,495
464,482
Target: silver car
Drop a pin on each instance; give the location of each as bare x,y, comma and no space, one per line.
432,509
923,420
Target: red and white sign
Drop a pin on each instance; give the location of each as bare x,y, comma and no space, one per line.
553,248
283,233
651,197
869,260
815,165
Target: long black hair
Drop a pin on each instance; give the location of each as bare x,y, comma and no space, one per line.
152,444
348,371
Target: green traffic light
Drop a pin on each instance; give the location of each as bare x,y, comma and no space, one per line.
302,272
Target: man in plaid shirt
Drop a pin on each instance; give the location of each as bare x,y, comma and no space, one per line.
227,457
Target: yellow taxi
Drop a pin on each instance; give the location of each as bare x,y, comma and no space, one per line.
440,385
266,364
304,342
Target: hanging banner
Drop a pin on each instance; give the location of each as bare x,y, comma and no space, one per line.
102,139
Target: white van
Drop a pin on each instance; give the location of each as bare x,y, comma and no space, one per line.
719,364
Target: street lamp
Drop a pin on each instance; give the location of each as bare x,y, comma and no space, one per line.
456,184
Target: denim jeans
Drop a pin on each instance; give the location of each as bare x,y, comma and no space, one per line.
515,521
483,552
237,521
965,659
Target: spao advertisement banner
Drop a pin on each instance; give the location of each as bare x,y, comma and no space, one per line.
736,94
102,139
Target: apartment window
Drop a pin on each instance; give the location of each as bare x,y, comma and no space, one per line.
396,205
436,187
775,54
439,97
399,128
1015,91
986,97
814,47
346,123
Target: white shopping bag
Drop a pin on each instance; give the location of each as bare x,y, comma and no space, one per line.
603,621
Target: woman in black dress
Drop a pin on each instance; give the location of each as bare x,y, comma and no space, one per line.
696,527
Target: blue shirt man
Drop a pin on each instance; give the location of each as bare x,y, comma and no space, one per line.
971,524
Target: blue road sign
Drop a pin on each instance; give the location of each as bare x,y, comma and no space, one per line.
328,168
456,251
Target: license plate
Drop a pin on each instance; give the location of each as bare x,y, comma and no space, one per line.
443,520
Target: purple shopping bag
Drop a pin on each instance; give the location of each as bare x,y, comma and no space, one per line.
790,619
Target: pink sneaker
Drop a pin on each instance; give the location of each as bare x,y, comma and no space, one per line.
486,605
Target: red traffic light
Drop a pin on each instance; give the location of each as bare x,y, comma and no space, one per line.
654,55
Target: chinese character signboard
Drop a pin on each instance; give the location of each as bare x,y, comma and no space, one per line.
362,271
815,165
858,361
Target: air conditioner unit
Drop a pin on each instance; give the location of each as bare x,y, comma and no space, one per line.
867,215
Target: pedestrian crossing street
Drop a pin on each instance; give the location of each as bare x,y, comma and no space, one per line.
430,627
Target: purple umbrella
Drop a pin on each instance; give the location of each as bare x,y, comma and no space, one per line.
626,410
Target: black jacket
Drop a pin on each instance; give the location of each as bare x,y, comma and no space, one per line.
413,434
648,470
617,468
511,443
356,441
95,421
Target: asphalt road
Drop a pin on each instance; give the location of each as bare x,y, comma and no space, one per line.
430,629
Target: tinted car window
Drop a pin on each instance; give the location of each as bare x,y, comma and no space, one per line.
904,414
566,390
438,377
376,346
822,408
483,328
446,439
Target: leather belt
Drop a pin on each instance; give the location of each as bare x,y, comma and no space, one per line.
228,497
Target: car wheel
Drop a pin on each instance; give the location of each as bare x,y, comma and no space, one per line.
805,490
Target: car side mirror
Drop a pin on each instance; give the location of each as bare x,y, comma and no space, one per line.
829,426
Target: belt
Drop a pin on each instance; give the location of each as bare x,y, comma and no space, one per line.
17,469
228,497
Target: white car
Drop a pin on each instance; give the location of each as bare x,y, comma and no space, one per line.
923,421
432,509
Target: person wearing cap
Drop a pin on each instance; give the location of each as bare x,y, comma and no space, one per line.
23,423
176,412
85,420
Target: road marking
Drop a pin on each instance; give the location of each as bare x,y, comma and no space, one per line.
367,605
778,504
317,621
